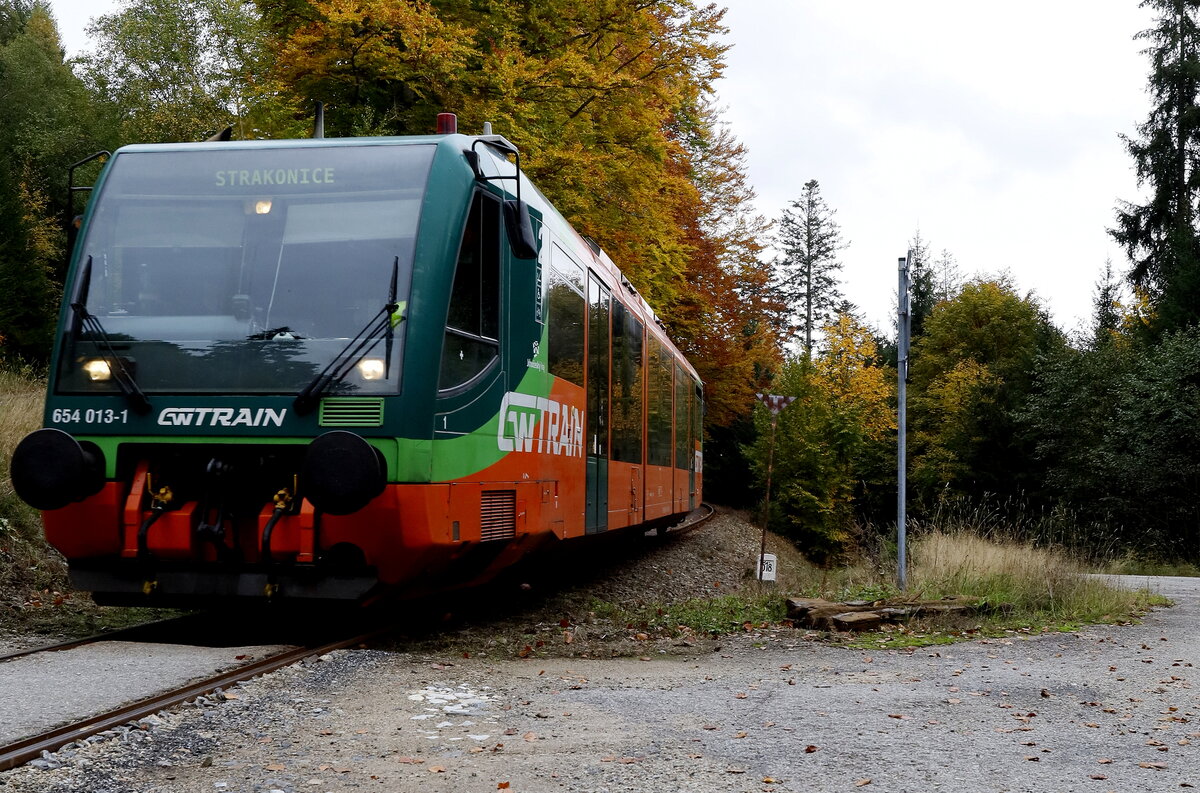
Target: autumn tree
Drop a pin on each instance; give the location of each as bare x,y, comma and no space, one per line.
600,97
810,240
971,371
722,318
1160,236
834,454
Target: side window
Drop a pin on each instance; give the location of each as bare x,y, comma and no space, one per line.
598,389
565,337
627,379
659,452
472,339
683,420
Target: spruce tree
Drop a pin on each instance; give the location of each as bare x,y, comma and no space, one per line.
806,277
1160,236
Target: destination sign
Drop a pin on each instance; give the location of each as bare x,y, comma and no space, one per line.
251,177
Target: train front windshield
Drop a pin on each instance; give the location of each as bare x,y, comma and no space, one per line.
246,270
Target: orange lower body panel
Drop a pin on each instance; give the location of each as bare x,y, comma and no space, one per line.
411,537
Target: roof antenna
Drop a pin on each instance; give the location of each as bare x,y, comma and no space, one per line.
319,124
487,128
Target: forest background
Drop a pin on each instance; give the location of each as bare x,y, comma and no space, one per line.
1088,439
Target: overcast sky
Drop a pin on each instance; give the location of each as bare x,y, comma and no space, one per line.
991,128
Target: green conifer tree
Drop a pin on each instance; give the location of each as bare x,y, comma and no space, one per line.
1160,236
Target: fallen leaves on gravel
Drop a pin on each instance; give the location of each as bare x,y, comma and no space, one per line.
1155,766
862,782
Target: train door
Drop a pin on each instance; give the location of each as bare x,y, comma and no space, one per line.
599,309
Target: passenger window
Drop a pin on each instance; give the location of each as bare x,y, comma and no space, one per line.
626,386
659,452
683,421
473,322
565,336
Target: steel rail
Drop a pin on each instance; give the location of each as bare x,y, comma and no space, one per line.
26,749
116,635
692,520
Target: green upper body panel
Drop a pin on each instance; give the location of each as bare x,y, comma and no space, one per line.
226,277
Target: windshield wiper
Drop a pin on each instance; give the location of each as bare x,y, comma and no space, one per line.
87,321
267,335
381,327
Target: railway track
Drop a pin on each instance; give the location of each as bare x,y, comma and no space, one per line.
694,520
130,633
25,749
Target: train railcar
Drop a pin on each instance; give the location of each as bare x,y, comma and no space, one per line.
341,368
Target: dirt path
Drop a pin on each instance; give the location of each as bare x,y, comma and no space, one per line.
1108,708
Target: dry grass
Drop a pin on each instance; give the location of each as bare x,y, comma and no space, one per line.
27,564
1016,581
21,398
1046,583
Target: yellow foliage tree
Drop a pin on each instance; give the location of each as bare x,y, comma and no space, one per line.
834,454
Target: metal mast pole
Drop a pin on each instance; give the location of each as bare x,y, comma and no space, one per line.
903,328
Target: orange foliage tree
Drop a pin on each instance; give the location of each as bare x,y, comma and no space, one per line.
608,102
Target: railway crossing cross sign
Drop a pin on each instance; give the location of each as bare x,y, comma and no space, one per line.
775,402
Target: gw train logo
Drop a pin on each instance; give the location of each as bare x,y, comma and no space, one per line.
537,424
221,417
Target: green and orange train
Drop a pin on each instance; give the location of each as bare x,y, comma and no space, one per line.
345,368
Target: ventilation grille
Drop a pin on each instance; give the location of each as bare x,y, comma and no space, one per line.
498,515
351,412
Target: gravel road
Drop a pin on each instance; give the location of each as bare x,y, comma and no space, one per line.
1104,709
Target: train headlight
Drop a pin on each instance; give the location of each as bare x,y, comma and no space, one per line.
262,207
371,368
98,370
